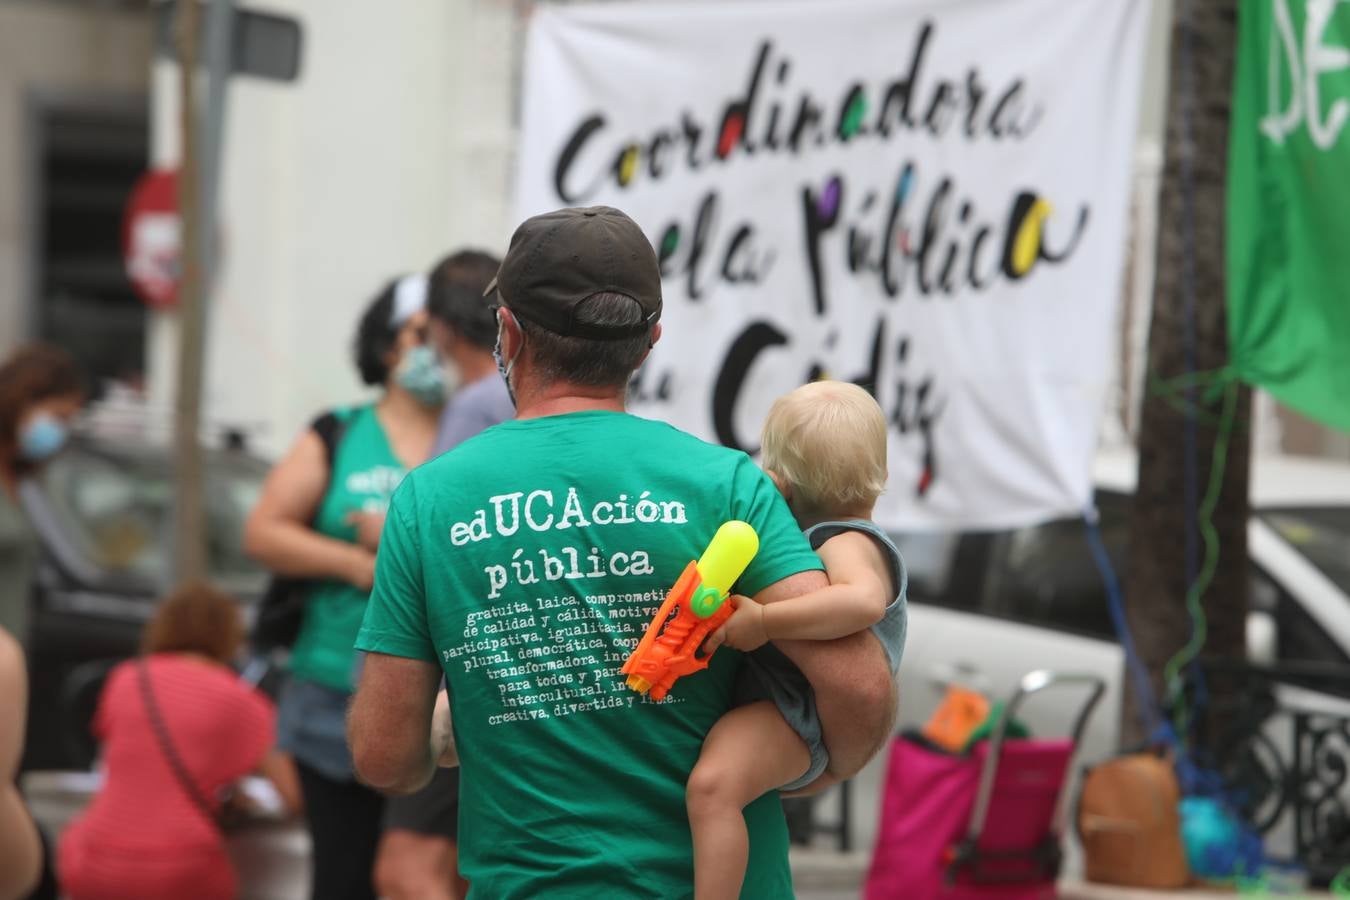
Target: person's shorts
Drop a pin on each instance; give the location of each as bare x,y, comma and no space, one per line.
767,674
433,811
312,727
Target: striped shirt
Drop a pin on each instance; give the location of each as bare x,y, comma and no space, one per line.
143,834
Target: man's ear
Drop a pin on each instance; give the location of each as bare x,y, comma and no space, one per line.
651,342
781,483
512,337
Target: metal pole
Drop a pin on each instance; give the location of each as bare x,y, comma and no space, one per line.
189,516
199,176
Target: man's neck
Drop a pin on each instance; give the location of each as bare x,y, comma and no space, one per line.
474,365
560,398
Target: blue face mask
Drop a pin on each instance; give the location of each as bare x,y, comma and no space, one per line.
420,374
42,437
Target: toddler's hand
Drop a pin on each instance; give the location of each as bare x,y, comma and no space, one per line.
745,629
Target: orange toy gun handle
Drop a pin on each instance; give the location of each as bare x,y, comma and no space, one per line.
669,648
688,661
695,607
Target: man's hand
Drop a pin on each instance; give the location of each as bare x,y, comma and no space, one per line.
442,734
744,631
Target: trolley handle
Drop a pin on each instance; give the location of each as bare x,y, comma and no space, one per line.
1031,683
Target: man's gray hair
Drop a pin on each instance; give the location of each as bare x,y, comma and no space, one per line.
586,361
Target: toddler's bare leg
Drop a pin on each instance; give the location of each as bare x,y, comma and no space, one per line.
749,752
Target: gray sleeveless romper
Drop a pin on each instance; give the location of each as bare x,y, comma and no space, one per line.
769,675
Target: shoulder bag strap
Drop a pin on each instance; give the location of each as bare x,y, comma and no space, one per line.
161,729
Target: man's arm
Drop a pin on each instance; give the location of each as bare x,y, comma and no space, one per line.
394,746
855,694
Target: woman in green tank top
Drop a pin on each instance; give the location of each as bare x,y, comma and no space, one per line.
319,519
40,392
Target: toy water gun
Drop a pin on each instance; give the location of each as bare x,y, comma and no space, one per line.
669,649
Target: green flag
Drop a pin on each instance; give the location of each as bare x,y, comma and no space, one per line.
1288,250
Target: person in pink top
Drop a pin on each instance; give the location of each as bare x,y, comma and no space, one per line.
177,727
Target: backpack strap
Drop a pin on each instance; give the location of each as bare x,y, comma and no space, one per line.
330,427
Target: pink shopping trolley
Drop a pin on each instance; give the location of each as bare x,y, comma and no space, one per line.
981,825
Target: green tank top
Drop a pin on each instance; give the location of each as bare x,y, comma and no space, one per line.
364,475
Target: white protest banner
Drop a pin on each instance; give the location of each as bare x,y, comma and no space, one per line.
927,197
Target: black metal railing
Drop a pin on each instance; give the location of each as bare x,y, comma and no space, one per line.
1285,758
1284,755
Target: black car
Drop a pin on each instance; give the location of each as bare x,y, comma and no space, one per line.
105,518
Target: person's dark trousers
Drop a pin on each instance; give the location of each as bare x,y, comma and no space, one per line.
800,815
344,827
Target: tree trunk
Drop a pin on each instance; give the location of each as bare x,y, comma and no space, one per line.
1166,548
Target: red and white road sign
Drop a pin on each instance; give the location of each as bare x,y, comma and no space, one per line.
152,238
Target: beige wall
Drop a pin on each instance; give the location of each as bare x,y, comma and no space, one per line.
51,49
1153,97
391,149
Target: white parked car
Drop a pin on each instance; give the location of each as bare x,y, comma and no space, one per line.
998,604
987,607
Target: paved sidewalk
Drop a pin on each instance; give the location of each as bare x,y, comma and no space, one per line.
828,875
1077,890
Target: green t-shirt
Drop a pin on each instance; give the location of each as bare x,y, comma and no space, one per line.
364,475
528,562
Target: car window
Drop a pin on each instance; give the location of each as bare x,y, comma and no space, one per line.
1300,638
946,568
1046,575
1322,534
1043,575
120,510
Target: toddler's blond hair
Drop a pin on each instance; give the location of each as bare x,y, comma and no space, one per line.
827,440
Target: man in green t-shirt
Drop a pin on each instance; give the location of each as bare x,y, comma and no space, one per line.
525,565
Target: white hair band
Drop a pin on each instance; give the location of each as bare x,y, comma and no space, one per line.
410,298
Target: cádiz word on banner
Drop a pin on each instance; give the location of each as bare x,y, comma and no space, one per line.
832,225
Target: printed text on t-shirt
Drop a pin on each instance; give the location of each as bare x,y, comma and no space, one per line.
538,511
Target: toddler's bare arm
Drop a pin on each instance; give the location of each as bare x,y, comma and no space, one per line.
860,589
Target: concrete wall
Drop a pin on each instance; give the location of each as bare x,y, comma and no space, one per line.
51,50
393,148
